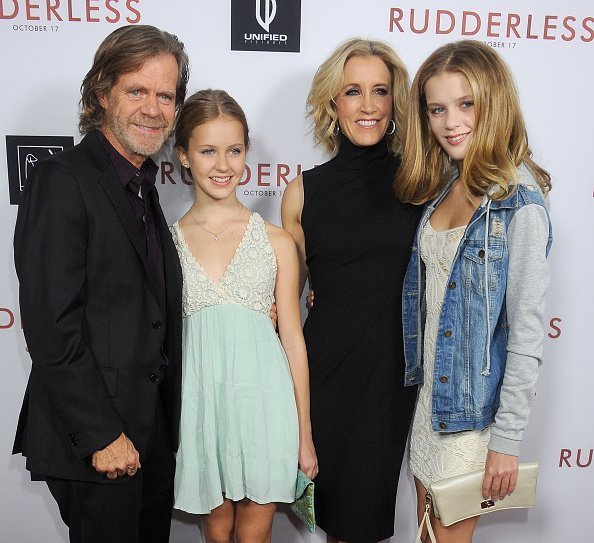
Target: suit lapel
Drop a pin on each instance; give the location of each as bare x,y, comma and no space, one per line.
170,258
116,193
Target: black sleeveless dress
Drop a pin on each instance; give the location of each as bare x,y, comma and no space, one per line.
358,239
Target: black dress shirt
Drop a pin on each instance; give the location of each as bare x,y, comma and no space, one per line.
138,184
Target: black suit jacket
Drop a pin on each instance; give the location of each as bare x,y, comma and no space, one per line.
92,320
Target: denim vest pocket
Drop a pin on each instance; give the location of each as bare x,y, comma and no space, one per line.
473,264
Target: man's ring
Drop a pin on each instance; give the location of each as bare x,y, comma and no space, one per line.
131,469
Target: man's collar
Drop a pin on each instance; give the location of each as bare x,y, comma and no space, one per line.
124,168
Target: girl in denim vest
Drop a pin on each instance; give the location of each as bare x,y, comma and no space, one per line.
473,298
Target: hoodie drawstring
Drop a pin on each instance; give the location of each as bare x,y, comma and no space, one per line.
487,371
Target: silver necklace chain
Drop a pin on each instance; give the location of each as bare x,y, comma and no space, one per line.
215,235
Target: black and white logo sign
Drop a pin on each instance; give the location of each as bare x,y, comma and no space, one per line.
266,25
23,152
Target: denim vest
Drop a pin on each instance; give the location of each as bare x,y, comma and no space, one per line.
470,352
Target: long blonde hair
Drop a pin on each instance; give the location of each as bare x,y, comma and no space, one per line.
499,143
329,79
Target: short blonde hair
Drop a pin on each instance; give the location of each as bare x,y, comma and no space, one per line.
499,143
329,79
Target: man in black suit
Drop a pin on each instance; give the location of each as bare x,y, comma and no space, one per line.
100,298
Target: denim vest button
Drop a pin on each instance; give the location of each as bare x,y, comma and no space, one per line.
448,333
453,285
443,379
481,253
443,425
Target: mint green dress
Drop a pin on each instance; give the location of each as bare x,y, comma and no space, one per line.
238,430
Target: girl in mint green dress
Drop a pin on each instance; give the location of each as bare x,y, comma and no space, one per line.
245,426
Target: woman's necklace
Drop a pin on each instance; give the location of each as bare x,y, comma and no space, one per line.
215,235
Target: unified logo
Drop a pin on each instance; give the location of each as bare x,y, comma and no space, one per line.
24,152
265,18
266,25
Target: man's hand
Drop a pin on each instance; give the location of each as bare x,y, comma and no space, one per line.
117,459
273,316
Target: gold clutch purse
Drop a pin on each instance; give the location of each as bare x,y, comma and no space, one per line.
459,498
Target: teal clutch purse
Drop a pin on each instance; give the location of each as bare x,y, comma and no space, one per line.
303,506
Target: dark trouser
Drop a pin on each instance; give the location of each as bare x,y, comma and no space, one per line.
138,511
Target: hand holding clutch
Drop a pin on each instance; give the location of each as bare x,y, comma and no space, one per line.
303,506
461,497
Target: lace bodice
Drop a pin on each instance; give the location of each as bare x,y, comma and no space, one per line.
249,279
438,250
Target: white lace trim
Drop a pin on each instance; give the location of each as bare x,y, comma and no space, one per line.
249,279
434,455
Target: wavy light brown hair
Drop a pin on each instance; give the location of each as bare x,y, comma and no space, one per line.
499,143
329,79
125,50
204,106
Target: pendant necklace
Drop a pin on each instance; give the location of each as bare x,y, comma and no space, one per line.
216,235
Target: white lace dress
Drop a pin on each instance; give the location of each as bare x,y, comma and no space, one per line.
238,430
434,455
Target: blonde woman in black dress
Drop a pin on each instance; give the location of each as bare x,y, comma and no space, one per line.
354,239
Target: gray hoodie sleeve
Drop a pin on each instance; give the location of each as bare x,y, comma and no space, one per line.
527,282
